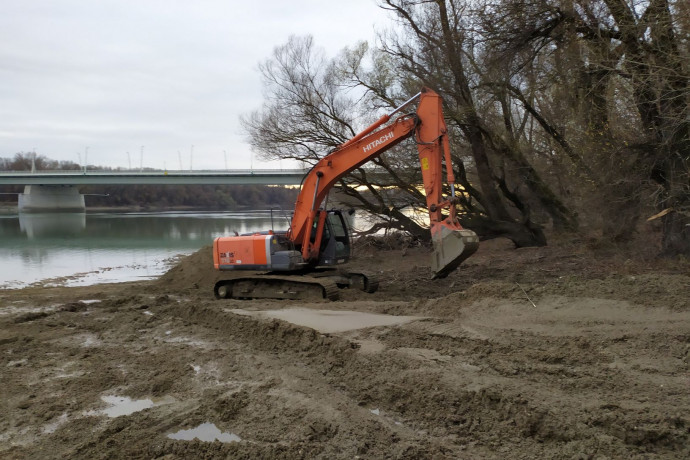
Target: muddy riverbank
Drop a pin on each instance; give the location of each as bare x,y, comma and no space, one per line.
558,352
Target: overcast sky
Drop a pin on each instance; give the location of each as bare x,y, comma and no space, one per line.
100,78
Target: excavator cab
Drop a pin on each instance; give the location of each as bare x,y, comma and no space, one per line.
335,242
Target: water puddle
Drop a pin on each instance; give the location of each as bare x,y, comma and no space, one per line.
52,427
188,341
15,310
88,340
328,321
124,405
207,432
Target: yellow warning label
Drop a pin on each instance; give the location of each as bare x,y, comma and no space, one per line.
425,163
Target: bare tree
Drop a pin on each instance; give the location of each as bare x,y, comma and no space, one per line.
613,81
437,44
312,105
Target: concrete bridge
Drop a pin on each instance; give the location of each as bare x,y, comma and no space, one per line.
57,190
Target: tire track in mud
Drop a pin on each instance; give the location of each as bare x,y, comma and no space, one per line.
478,395
283,404
305,360
524,389
486,375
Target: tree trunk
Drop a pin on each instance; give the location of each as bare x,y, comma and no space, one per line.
621,210
676,235
522,235
676,224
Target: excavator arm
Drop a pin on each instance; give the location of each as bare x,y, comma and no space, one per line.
452,243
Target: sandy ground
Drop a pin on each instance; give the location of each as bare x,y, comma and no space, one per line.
558,352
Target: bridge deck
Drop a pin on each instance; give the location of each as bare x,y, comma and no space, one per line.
229,177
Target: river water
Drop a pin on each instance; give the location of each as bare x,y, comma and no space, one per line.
88,248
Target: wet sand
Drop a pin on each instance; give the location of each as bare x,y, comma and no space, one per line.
557,352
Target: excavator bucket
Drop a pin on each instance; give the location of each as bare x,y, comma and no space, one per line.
451,248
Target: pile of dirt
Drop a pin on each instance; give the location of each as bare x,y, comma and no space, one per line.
193,272
389,241
569,269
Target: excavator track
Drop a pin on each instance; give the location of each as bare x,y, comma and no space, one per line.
344,279
365,281
277,287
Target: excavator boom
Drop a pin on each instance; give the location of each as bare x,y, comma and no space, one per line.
452,243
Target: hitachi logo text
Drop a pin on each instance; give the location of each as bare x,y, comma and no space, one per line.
377,142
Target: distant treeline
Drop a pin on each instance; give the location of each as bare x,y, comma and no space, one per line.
212,197
215,197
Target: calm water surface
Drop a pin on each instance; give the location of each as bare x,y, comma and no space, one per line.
83,248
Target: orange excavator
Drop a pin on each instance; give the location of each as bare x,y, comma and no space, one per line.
299,263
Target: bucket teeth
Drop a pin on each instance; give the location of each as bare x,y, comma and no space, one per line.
451,248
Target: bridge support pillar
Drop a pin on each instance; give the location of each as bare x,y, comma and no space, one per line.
48,198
